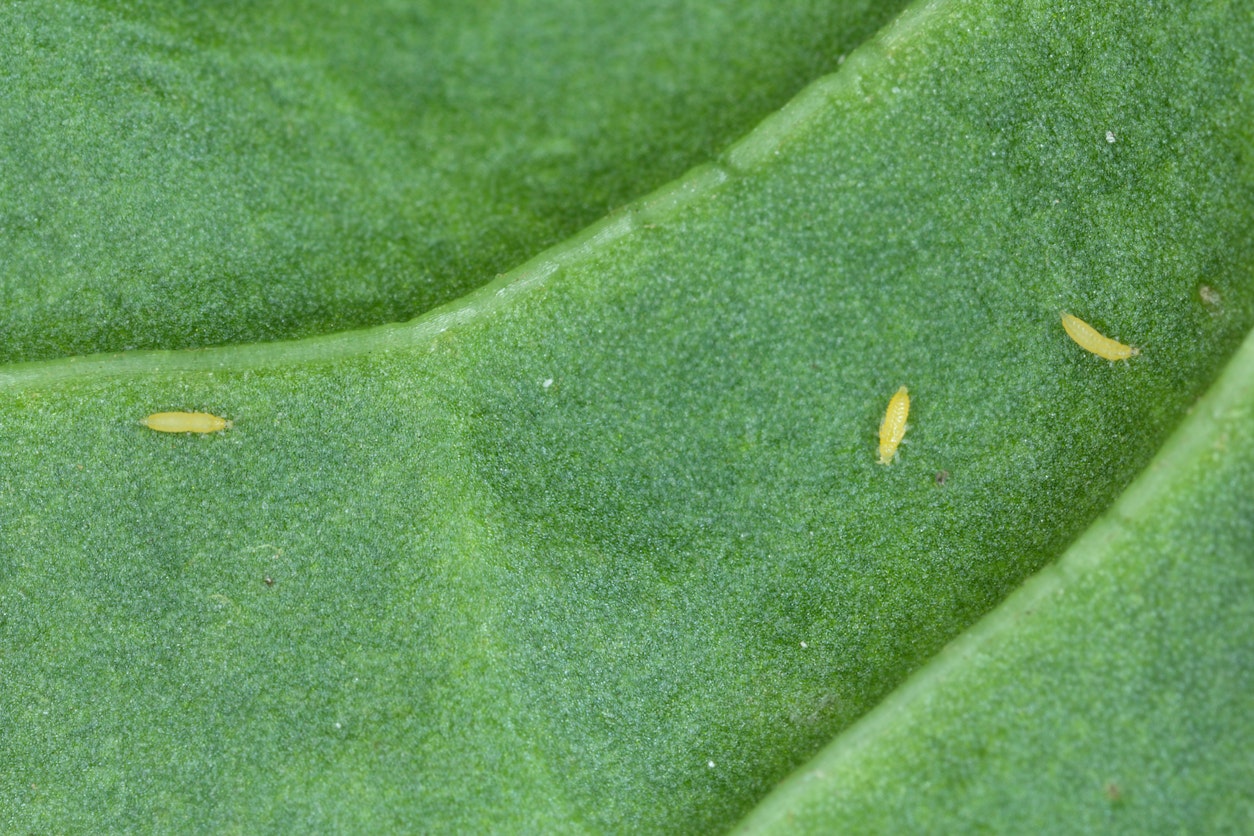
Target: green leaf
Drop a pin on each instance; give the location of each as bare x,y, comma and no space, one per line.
604,545
1113,692
182,174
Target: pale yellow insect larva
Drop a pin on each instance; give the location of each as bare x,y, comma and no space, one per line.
185,422
1091,340
893,430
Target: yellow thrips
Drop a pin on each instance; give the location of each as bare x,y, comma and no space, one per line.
185,422
1089,339
894,427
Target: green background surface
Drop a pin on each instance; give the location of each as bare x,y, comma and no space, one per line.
603,546
185,174
1111,694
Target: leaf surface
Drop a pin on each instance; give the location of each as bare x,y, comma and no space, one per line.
604,545
1112,693
184,174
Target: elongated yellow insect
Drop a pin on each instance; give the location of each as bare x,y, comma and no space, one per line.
1091,340
893,430
185,422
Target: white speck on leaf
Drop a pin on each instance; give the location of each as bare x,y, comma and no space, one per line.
1110,136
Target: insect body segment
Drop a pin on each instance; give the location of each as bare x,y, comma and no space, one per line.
1091,340
185,422
894,427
